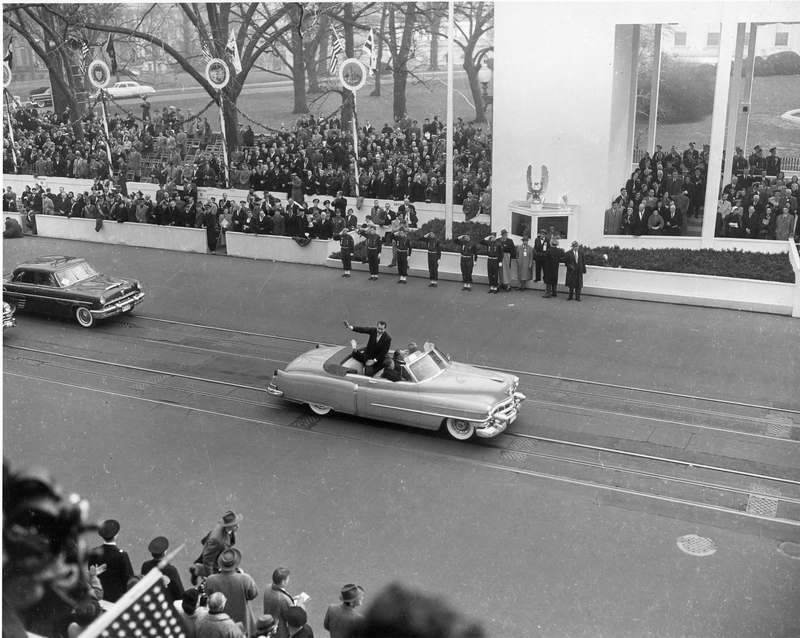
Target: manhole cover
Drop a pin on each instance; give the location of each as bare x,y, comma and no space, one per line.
512,456
779,430
695,545
522,444
30,362
120,324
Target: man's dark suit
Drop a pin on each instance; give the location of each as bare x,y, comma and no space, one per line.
118,570
576,268
175,586
375,349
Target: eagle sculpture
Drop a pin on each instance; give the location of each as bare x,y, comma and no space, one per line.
537,189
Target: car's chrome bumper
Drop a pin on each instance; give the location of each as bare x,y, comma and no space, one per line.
118,307
271,389
499,421
9,322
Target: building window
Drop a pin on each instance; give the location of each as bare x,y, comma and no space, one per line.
680,38
713,40
782,39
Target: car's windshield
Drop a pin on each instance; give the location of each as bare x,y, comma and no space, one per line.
428,365
76,273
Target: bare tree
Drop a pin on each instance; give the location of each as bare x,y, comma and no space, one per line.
473,20
400,46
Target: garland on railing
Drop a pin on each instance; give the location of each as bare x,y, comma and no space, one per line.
136,117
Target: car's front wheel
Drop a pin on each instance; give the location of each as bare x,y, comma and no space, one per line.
84,317
316,408
459,429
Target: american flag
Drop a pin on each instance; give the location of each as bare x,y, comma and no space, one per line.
206,50
9,58
336,50
143,612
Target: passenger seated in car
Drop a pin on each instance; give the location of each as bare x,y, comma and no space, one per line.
393,368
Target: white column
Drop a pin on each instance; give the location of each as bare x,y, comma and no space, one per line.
741,138
733,103
727,40
634,84
654,84
448,200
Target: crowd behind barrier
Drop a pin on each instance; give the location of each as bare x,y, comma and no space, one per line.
219,598
314,157
667,189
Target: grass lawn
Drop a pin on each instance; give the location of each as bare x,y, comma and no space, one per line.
772,97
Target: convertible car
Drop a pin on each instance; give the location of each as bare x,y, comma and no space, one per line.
434,393
69,286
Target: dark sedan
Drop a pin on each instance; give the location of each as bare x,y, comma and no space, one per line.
43,96
67,287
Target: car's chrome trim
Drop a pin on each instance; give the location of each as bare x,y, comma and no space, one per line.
428,413
116,307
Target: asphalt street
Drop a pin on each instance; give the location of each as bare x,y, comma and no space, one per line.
346,502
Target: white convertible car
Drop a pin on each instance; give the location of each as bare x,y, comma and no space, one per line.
434,393
122,90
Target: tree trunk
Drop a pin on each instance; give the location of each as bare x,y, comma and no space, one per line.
231,118
401,58
298,73
436,24
311,69
376,92
475,88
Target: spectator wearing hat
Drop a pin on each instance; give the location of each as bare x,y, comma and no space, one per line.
189,611
758,163
555,256
772,163
576,268
344,619
85,614
222,537
239,588
509,252
266,626
216,623
296,619
158,548
525,262
118,565
277,600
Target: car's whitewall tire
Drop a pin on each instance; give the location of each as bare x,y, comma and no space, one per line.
459,429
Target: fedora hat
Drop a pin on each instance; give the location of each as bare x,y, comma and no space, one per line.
230,519
265,623
351,593
229,560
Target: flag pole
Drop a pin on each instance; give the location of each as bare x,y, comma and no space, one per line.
105,126
224,138
448,206
355,142
11,133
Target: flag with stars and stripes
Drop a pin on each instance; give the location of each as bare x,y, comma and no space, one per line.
336,50
143,612
84,53
206,50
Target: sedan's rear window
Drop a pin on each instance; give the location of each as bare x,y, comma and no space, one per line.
76,273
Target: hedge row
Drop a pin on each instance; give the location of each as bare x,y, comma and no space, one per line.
718,263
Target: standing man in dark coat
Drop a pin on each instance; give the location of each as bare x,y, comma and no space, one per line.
540,245
157,548
469,256
576,268
118,569
222,537
434,248
377,347
554,257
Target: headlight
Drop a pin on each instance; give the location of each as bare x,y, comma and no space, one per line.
102,301
138,285
6,307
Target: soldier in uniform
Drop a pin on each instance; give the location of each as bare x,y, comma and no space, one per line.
469,255
346,245
434,248
374,245
494,253
773,163
403,246
118,569
157,548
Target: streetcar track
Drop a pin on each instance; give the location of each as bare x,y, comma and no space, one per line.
572,444
450,457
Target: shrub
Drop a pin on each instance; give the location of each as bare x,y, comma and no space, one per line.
717,263
686,92
783,63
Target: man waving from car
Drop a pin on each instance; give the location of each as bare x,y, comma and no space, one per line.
377,347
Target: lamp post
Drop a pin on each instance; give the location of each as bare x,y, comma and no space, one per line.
484,77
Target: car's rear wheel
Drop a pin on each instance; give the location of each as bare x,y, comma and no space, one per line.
84,317
316,408
459,429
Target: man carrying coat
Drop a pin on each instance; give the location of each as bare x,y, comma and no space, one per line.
576,268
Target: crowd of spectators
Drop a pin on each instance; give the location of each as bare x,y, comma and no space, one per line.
54,586
313,157
667,189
